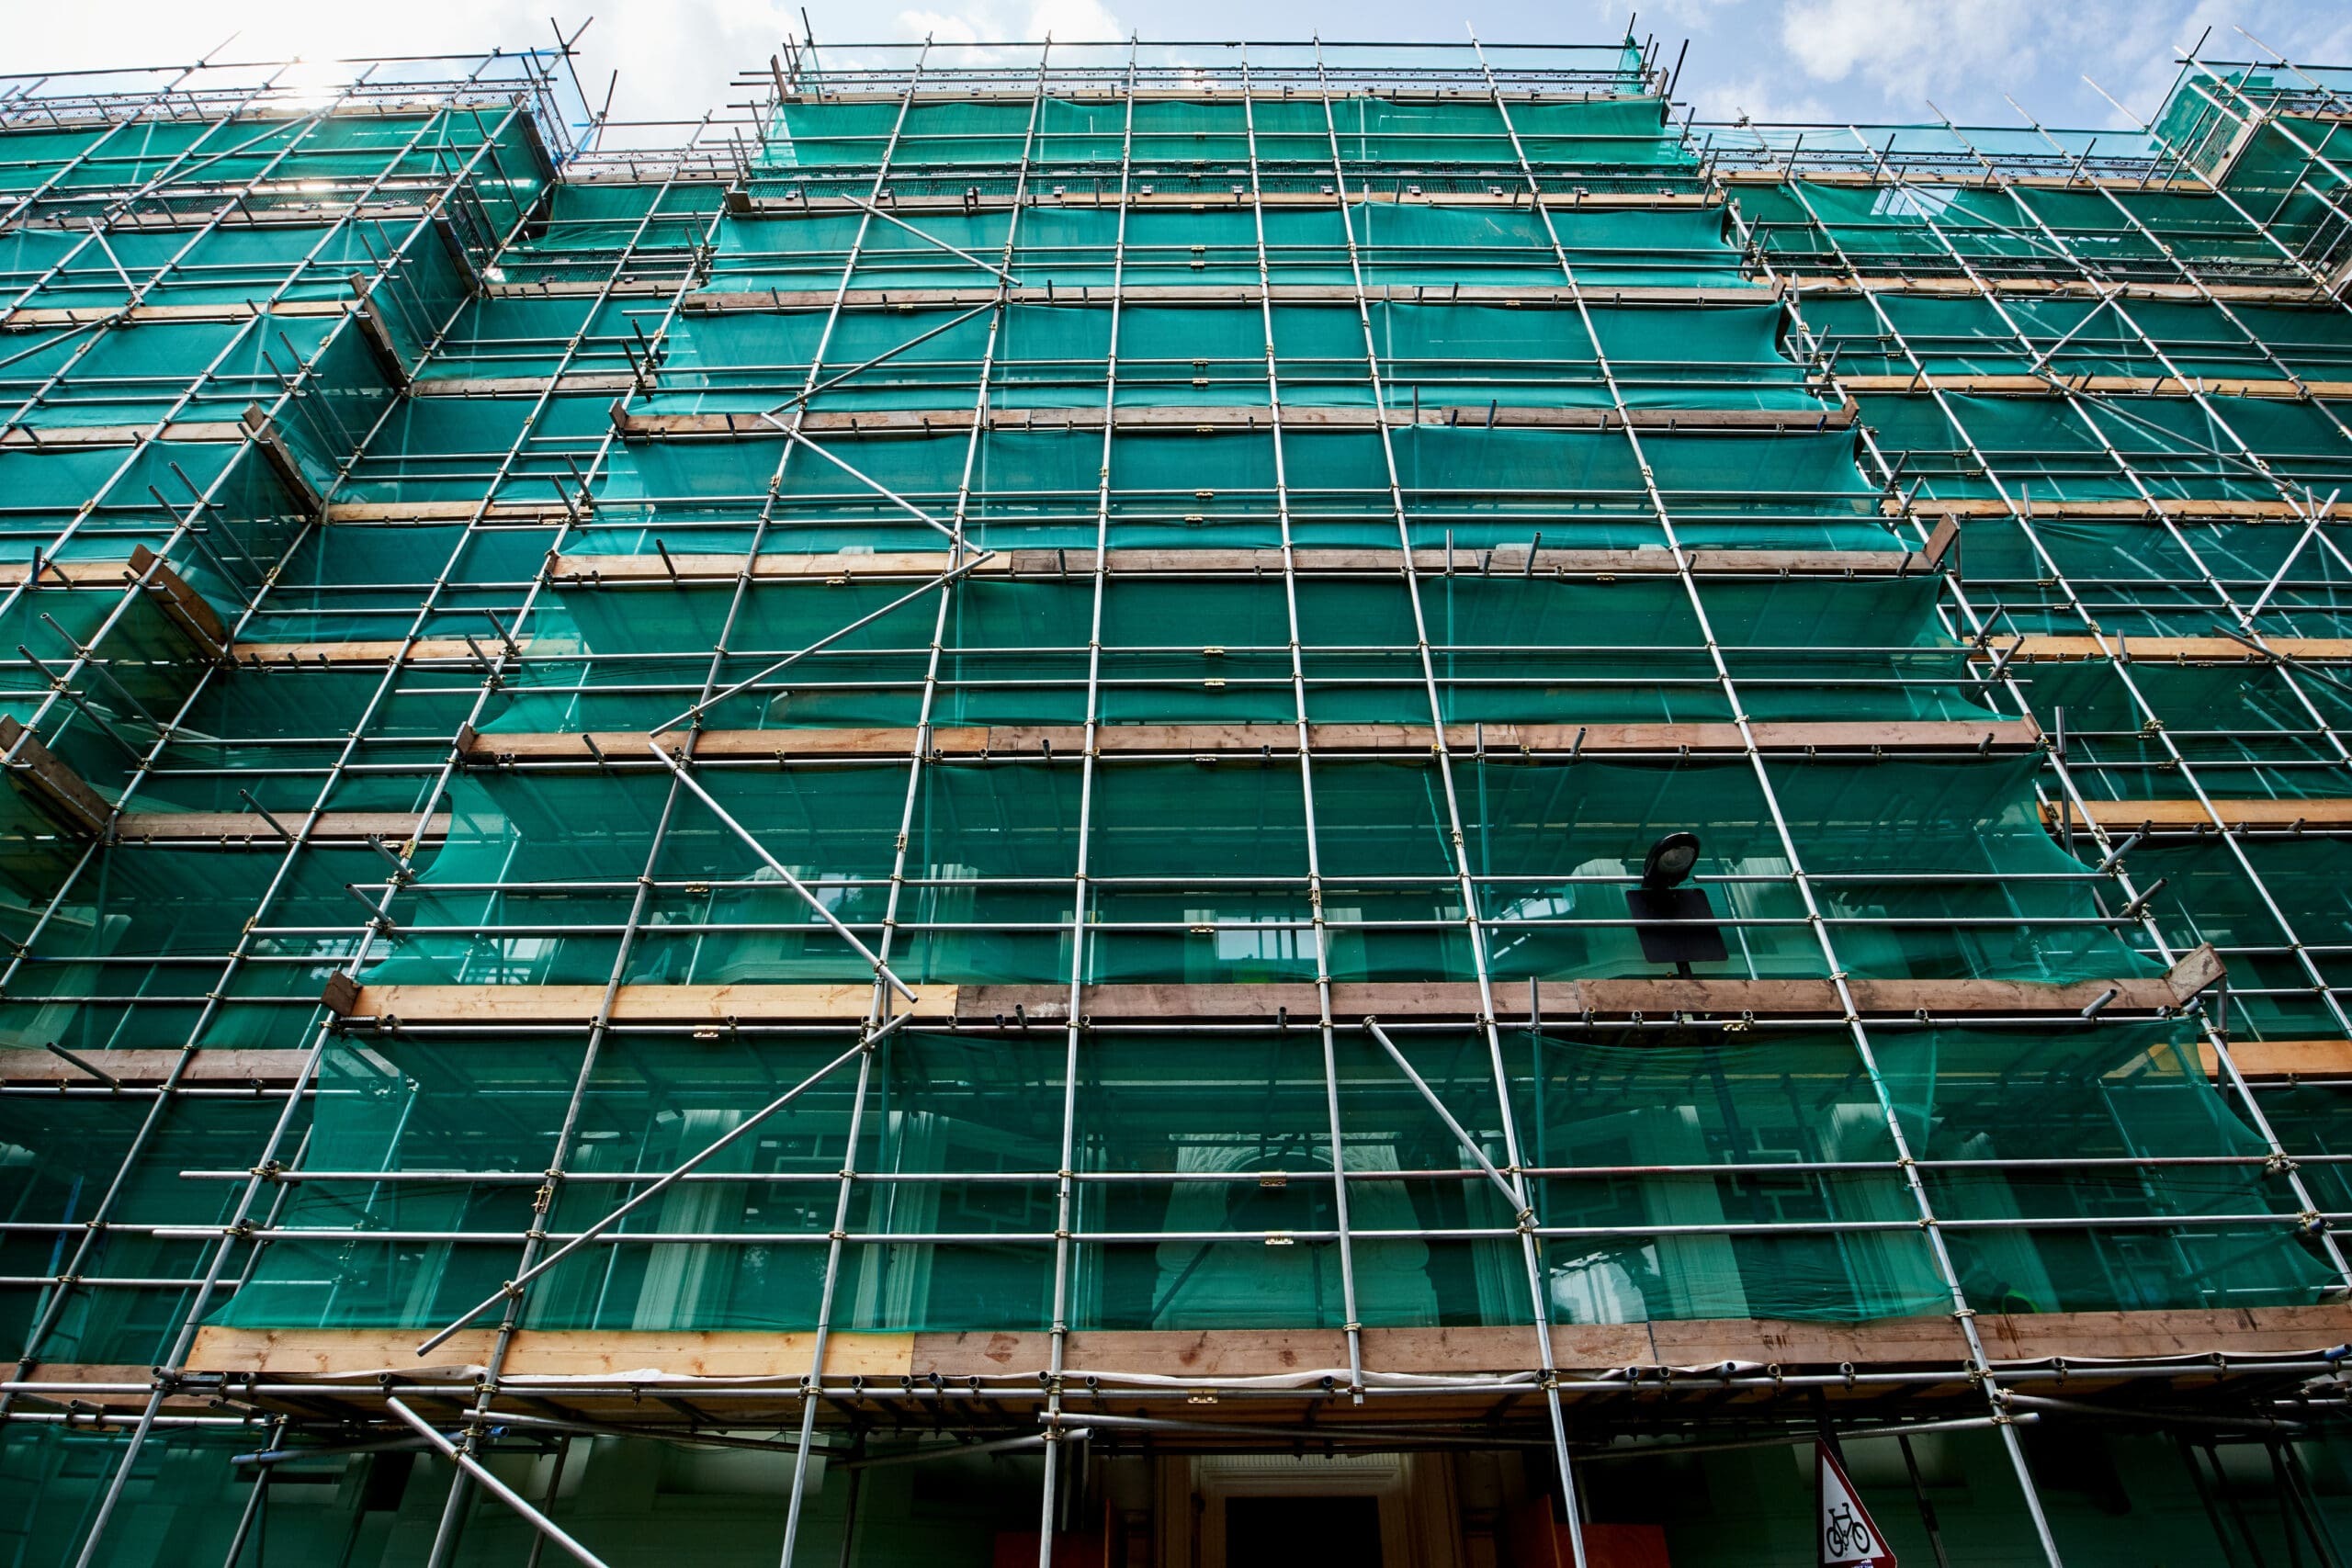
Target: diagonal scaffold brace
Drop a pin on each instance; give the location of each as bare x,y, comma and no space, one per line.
685,777
1469,1145
868,1039
490,1483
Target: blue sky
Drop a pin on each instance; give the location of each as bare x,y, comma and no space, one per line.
1841,59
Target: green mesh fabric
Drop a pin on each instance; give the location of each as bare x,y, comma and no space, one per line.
1156,1120
443,508
2060,451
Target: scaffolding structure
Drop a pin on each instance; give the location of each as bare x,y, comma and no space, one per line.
906,821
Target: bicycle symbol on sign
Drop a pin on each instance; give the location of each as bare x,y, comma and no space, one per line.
1846,1536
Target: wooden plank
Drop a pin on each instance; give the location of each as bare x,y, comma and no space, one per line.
281,459
178,603
2058,288
283,212
2136,386
376,331
631,748
1596,1000
48,318
244,829
1017,1356
1202,1353
2280,1061
2158,816
112,1399
51,786
2182,1332
181,604
2195,970
1222,418
1867,179
2090,511
794,204
80,437
1722,999
835,568
1500,296
104,572
366,655
2046,648
418,512
571,382
552,1353
146,1068
493,1004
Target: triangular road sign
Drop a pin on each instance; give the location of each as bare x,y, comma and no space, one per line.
1847,1535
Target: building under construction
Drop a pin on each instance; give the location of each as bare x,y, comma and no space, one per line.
1141,804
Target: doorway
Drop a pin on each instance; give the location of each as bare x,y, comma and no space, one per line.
1242,1510
1282,1532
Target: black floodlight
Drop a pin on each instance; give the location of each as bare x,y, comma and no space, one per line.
1669,859
1676,924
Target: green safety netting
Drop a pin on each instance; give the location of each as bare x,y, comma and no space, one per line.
2153,578
96,504
1560,842
1411,242
1039,488
1599,132
287,163
499,335
1158,1117
1504,648
189,375
1974,337
1812,224
108,378
136,947
2306,1115
152,665
1973,829
589,223
1408,242
107,155
37,847
58,1159
1047,357
2208,896
1960,1094
464,448
421,288
2052,448
2255,726
2201,117
360,583
1464,466
2287,170
140,927
2140,1091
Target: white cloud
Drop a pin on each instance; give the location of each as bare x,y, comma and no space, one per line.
942,27
1763,97
1908,48
1076,22
1071,21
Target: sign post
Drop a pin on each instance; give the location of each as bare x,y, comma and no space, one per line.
1847,1535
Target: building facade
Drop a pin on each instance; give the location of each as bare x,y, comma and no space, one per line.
1146,804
